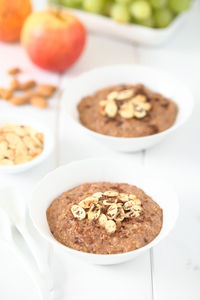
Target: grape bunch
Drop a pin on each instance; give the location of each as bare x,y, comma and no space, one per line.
150,13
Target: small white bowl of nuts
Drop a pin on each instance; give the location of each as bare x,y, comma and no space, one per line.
24,143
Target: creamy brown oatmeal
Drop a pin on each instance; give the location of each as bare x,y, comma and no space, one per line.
127,111
104,218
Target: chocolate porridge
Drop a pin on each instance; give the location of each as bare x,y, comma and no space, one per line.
104,218
127,111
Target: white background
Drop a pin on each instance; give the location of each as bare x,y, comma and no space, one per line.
172,269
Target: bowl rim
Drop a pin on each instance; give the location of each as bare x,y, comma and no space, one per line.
50,238
47,149
135,66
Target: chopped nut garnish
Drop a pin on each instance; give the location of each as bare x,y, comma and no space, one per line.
108,206
111,193
110,226
123,197
102,220
112,211
125,94
94,212
88,202
137,100
112,96
122,102
78,212
139,112
19,144
127,110
111,109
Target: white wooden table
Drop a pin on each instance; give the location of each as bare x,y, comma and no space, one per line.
172,269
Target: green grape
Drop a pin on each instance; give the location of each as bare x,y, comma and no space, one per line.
163,17
120,13
147,22
107,7
158,3
140,10
178,6
94,6
71,3
123,1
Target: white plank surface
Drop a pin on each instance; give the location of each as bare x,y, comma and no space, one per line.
176,262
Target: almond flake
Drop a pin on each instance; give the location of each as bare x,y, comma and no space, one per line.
125,94
137,100
102,220
88,202
127,110
112,96
110,226
111,109
78,212
112,211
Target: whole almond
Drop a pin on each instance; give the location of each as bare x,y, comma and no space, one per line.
19,100
14,84
5,93
27,85
39,102
14,71
45,90
31,93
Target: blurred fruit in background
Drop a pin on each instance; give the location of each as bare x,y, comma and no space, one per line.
53,39
12,16
150,13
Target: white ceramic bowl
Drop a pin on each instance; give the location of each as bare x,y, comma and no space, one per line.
91,170
21,119
155,79
131,32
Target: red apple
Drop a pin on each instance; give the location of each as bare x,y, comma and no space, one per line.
53,39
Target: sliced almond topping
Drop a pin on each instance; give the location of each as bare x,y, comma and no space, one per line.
111,109
139,112
130,214
127,110
102,220
112,211
94,212
88,202
110,226
137,201
109,201
102,105
137,100
129,205
131,197
120,214
123,197
146,106
78,212
97,195
112,96
125,94
111,193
